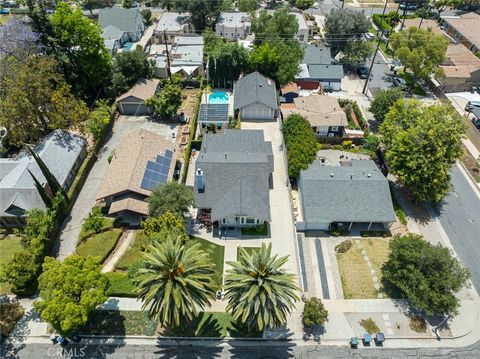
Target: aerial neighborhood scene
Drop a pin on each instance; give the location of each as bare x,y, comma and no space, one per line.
239,179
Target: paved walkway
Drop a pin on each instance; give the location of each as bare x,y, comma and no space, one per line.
122,246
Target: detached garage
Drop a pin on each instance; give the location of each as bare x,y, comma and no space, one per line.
132,102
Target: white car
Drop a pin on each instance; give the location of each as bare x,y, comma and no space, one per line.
369,36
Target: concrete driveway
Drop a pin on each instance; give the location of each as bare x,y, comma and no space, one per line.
67,241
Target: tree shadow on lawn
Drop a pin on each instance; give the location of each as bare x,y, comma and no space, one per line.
105,322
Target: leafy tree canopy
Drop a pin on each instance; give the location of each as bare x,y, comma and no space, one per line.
98,120
18,40
314,312
422,143
383,101
204,13
281,24
304,4
428,276
69,291
172,196
166,226
247,5
356,52
128,68
343,26
168,101
421,51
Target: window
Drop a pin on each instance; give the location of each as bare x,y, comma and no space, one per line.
331,134
334,128
242,221
258,221
223,221
301,37
250,220
322,130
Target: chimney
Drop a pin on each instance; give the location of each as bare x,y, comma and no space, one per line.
225,155
199,180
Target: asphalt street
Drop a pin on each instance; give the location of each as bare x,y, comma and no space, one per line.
381,77
460,218
265,351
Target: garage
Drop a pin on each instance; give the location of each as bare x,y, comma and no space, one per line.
132,102
137,108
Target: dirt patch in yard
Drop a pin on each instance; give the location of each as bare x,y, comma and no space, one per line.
471,164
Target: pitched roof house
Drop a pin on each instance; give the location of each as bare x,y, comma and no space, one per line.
171,24
132,102
130,21
461,69
324,113
140,162
255,97
114,38
354,193
303,30
61,151
463,28
232,177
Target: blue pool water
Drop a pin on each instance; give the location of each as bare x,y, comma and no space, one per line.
218,97
127,46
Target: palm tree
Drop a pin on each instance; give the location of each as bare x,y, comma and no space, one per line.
259,292
175,282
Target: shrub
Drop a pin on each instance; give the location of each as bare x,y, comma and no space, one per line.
99,119
369,325
94,220
381,23
418,324
371,143
347,144
314,312
343,247
339,232
10,313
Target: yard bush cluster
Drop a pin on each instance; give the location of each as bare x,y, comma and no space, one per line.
99,119
339,232
383,234
343,247
10,313
381,22
301,143
356,110
314,312
370,326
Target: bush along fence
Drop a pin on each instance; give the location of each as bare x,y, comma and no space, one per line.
357,112
193,131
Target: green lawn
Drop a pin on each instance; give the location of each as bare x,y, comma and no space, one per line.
215,251
249,250
4,19
260,230
107,223
114,322
134,253
8,247
120,284
100,245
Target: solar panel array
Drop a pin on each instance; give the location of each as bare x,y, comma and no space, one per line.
156,173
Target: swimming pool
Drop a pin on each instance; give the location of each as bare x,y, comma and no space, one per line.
218,97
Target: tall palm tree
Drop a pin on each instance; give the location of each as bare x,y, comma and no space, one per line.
175,282
259,292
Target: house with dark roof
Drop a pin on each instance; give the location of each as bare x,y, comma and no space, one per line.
317,68
213,114
130,21
354,193
233,176
62,152
255,98
114,38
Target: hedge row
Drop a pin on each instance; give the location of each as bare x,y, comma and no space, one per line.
381,23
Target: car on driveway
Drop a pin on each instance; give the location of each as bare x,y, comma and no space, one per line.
399,82
362,71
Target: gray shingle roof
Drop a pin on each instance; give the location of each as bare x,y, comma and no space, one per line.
254,88
314,55
236,166
213,112
127,20
326,72
350,195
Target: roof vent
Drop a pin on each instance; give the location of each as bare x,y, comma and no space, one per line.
225,155
369,175
199,180
351,175
331,174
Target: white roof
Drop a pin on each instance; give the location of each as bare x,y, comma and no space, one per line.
302,24
234,19
172,21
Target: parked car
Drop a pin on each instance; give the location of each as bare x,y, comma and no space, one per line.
399,82
476,123
408,6
4,11
471,105
362,71
369,36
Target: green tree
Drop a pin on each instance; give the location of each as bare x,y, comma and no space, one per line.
343,26
422,143
128,68
428,276
172,196
127,4
281,24
21,272
94,220
35,100
165,226
314,312
147,17
383,101
176,282
99,119
227,60
204,13
356,52
265,59
79,46
69,291
168,101
49,177
247,5
38,12
260,293
304,4
421,51
301,144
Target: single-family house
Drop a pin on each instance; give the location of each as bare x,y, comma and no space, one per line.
255,97
62,152
317,68
170,25
233,25
463,28
355,192
303,30
324,113
130,21
461,70
233,176
213,115
142,161
114,38
132,102
289,92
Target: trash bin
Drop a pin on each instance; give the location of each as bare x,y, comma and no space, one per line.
367,339
354,342
379,339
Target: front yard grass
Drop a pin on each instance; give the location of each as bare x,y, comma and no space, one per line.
100,245
415,87
355,274
215,252
134,253
8,247
120,285
107,224
116,322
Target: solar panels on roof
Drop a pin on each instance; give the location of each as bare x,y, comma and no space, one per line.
156,173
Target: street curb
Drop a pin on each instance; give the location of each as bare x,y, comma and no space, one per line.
476,185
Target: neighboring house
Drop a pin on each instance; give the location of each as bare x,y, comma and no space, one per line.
213,114
61,151
233,25
141,161
130,21
132,102
317,69
233,176
170,25
461,70
464,29
303,30
255,97
324,113
114,38
340,196
289,92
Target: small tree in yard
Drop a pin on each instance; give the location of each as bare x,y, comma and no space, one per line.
168,101
94,220
314,312
173,196
383,101
69,291
165,226
427,275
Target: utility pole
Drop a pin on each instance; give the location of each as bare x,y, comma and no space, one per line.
374,55
169,73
